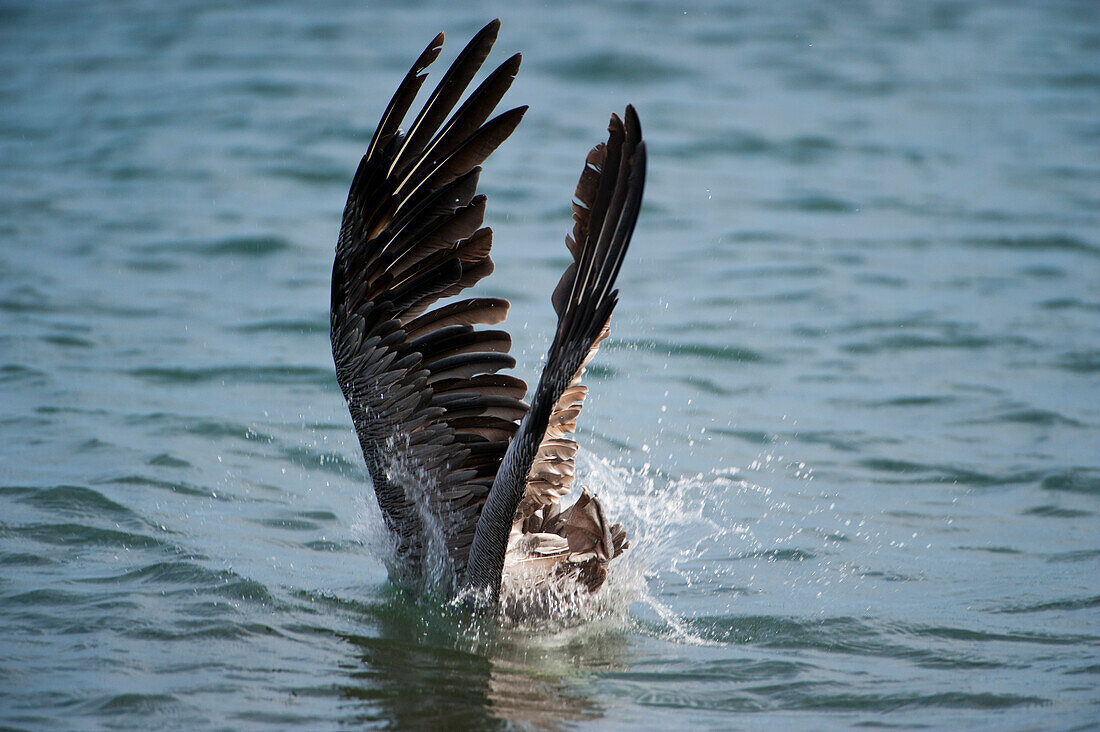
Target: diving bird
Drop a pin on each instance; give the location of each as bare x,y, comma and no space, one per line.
468,476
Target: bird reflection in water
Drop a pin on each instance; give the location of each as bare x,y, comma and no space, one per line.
427,667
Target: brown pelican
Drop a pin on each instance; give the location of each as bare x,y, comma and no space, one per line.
468,476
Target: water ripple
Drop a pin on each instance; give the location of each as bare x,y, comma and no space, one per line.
69,534
243,374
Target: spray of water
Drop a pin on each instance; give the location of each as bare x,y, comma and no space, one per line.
675,525
436,574
669,521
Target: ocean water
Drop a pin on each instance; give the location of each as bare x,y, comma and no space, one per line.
849,412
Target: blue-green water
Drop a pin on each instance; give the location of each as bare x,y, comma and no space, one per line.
850,410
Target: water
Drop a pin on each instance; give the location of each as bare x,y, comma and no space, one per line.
849,410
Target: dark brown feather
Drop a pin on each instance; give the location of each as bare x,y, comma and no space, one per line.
531,478
446,95
474,311
410,237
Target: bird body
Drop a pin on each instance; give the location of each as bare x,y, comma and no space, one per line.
469,477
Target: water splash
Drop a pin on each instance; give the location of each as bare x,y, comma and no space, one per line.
370,528
677,542
436,574
671,526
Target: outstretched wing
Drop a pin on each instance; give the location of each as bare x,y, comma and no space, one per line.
433,416
609,197
552,471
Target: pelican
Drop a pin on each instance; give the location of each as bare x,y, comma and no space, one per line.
468,476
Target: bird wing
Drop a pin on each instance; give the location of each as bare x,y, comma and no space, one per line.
609,198
552,470
432,413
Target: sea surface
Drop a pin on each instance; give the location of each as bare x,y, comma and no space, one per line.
849,411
